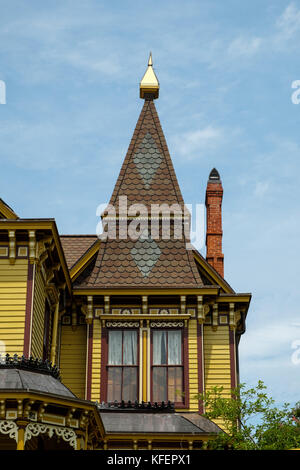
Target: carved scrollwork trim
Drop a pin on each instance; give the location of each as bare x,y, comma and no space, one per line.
10,428
166,324
122,324
67,434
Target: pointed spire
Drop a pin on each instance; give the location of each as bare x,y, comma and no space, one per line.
149,86
147,175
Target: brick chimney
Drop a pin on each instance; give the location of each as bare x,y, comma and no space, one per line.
214,233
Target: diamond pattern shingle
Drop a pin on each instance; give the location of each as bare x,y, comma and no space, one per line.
116,266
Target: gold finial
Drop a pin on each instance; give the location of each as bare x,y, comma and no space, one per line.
149,84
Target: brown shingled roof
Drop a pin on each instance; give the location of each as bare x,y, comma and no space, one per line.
75,246
148,263
147,176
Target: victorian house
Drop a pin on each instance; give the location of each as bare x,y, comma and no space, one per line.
108,340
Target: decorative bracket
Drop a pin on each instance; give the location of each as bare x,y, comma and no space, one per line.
145,304
106,304
41,410
183,304
35,429
89,312
74,315
215,317
2,409
20,408
232,319
12,246
203,310
32,246
27,408
10,428
201,316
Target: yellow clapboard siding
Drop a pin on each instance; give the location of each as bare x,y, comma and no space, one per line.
193,365
13,341
217,370
13,286
217,373
216,346
8,326
73,358
12,278
18,261
7,302
211,342
12,332
12,268
5,295
96,361
18,316
13,307
38,319
13,290
217,354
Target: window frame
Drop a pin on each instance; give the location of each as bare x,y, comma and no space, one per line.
106,365
183,366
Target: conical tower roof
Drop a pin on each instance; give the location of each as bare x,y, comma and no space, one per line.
147,177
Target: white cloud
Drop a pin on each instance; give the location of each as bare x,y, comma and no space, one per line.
243,46
261,188
289,22
269,342
87,60
196,143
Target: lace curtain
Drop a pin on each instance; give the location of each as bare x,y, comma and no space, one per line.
162,354
122,347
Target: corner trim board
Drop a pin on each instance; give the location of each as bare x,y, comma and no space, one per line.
28,310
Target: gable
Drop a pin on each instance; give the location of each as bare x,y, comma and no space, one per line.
209,275
6,212
79,250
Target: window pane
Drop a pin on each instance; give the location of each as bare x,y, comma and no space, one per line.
130,348
159,347
114,381
159,384
175,384
115,347
174,347
129,384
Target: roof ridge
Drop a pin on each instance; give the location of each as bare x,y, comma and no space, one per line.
129,152
166,153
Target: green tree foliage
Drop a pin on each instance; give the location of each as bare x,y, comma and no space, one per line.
251,420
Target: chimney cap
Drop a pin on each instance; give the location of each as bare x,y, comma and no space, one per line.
214,176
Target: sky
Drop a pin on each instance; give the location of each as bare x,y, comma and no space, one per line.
72,69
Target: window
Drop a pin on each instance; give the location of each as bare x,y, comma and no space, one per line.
167,366
122,373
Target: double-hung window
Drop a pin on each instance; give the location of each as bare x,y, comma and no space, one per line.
122,367
167,366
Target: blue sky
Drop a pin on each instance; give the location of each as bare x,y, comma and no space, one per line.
72,70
